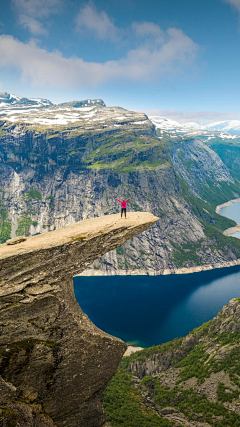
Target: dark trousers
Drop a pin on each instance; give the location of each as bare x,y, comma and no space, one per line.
123,210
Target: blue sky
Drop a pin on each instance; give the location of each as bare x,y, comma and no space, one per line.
177,58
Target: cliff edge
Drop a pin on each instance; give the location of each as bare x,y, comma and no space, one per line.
54,362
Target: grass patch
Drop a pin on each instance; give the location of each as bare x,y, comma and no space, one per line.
5,226
34,194
24,225
120,251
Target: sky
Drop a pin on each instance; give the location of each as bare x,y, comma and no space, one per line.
179,59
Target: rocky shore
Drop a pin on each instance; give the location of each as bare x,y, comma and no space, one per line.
184,270
224,205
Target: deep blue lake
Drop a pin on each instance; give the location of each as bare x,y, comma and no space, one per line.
149,310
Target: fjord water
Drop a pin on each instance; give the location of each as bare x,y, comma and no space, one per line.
149,310
233,212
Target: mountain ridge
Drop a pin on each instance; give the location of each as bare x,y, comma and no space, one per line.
227,126
11,102
59,165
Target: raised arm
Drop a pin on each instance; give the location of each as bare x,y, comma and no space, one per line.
127,200
120,201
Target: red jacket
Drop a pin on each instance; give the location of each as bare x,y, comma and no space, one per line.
124,204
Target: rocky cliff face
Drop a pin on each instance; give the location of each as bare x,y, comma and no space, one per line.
192,381
206,166
63,164
54,363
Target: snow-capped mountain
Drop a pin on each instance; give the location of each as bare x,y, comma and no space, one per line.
43,111
88,114
230,126
168,125
10,103
28,110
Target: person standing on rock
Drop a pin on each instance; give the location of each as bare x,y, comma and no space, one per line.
124,205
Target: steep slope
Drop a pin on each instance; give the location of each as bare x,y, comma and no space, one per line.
62,164
191,382
54,362
229,151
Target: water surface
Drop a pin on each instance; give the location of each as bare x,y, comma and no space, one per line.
149,310
232,212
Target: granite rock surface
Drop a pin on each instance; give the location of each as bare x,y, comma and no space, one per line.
54,362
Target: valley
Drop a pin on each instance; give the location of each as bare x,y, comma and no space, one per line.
62,163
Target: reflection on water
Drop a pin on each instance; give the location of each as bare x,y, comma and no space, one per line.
149,310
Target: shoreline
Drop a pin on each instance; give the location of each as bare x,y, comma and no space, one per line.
231,230
131,349
183,270
224,205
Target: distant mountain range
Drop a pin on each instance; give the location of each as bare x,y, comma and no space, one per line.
168,125
13,104
10,104
62,163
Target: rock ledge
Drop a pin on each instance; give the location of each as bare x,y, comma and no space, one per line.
54,362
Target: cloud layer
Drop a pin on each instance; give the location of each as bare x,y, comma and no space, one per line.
41,67
32,14
98,22
234,3
150,52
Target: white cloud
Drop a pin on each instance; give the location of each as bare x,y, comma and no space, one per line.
200,117
40,67
30,13
99,23
103,27
37,8
235,3
35,27
145,29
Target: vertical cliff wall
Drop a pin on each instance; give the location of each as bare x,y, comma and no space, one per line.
54,362
63,164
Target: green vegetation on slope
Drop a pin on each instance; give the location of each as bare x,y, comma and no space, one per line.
194,406
24,225
34,194
208,350
229,152
194,253
5,226
123,405
126,152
